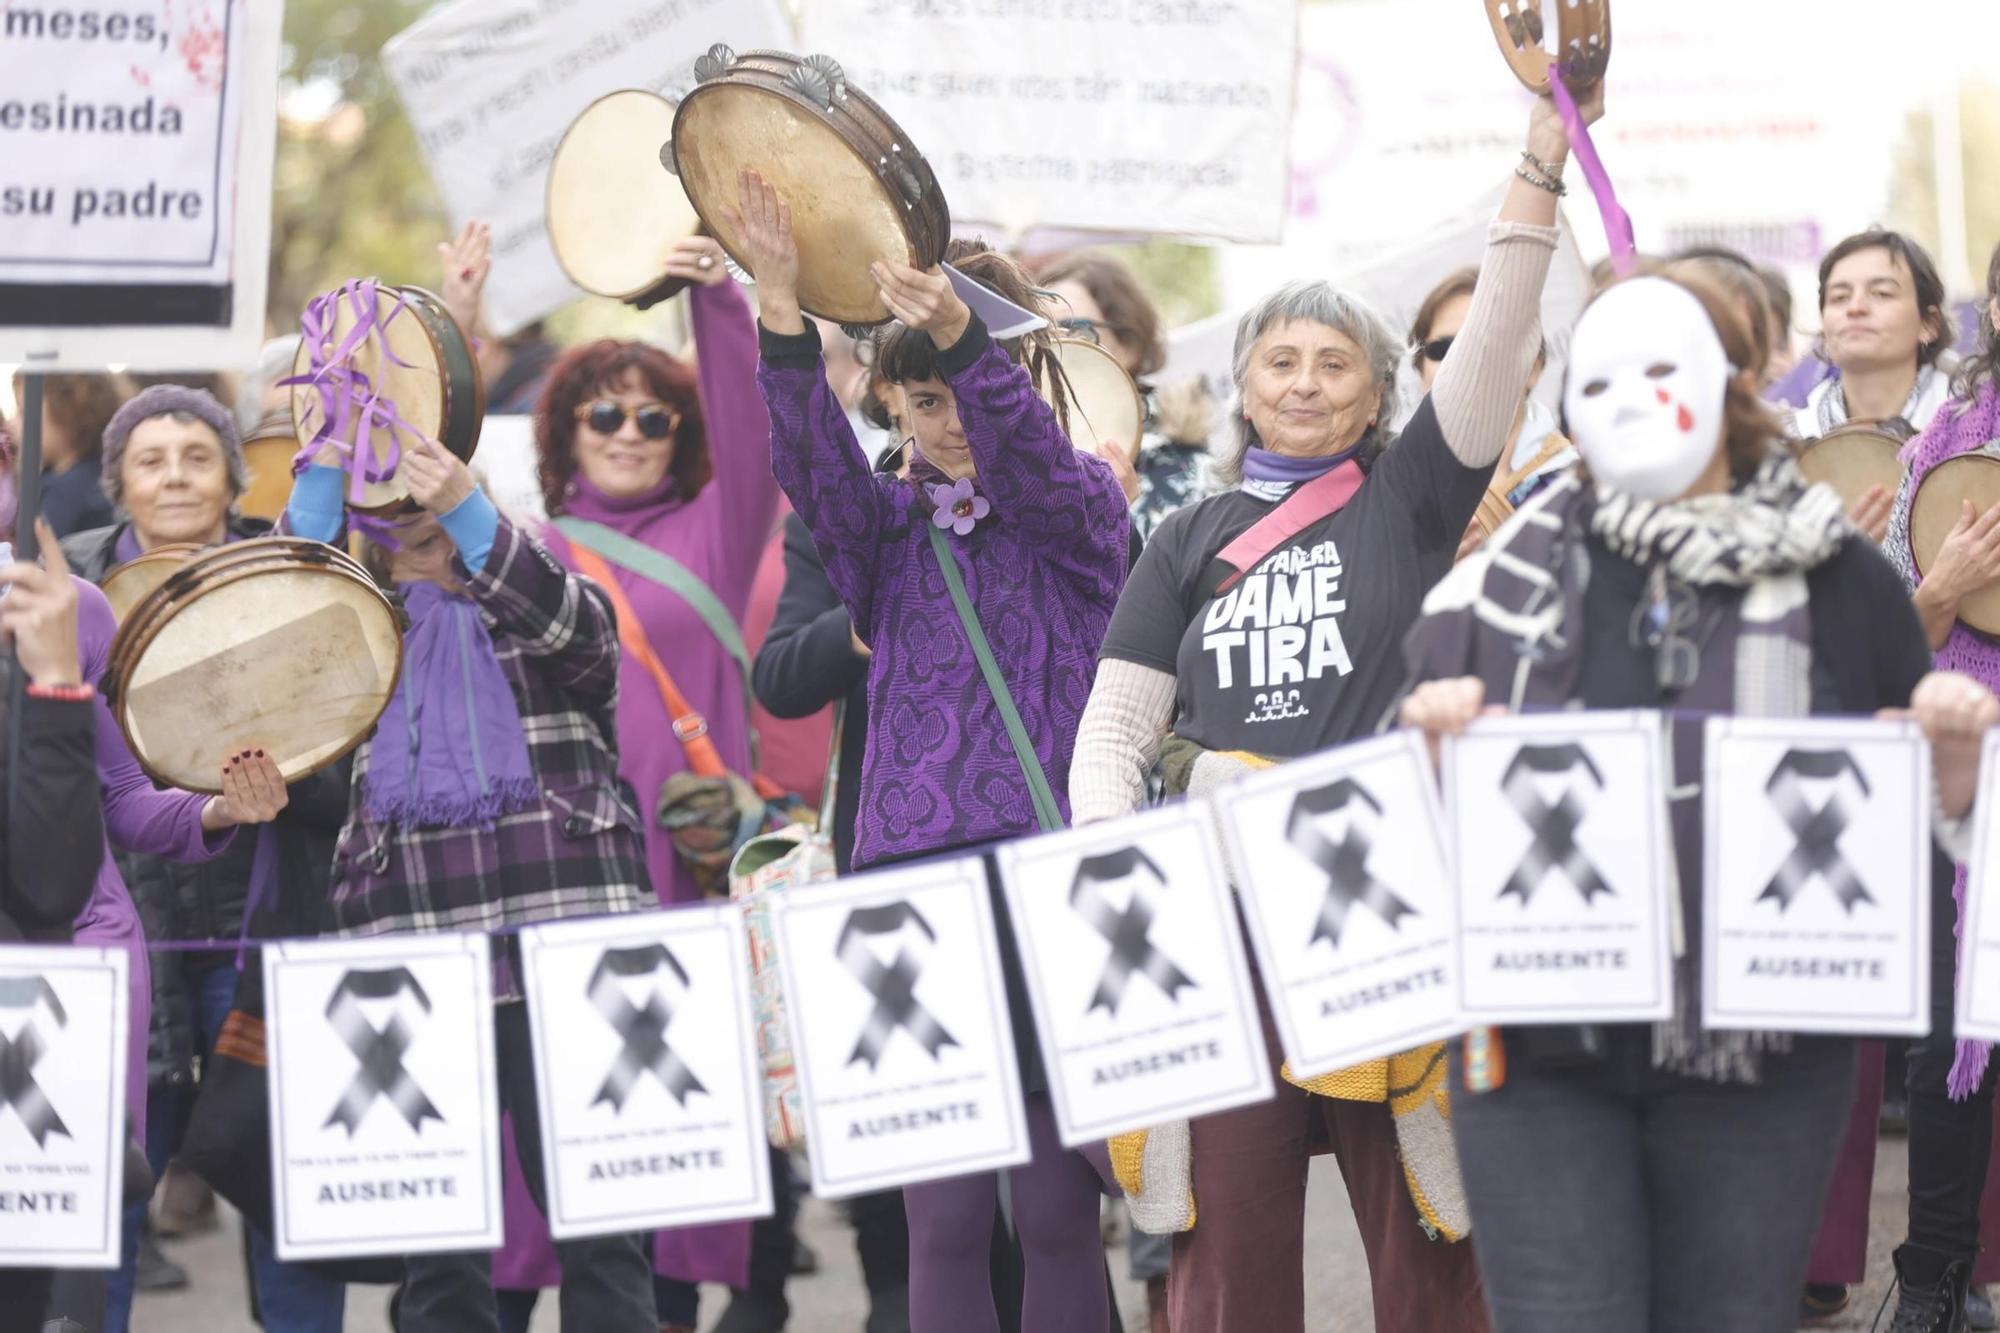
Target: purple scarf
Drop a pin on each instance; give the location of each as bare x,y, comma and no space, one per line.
1260,464
1953,432
449,750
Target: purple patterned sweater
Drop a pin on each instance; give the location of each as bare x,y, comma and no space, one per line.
1043,572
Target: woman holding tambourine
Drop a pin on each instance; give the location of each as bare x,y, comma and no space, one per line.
1674,1173
1952,567
1001,526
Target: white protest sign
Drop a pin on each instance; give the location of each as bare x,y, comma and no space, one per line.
135,209
1349,901
1135,969
63,1034
1561,849
1978,996
385,1118
1118,115
646,1071
490,86
898,1011
1816,893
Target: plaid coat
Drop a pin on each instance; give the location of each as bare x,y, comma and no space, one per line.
577,853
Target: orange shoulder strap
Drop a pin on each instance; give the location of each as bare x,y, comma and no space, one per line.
690,727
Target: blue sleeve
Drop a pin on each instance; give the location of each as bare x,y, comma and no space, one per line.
317,507
471,524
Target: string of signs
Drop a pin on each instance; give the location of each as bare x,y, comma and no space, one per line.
1384,909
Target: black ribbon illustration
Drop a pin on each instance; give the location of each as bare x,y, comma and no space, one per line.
894,987
643,1030
1554,826
380,1052
1344,863
1127,930
21,1053
1817,851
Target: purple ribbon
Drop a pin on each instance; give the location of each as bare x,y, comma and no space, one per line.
351,406
1617,223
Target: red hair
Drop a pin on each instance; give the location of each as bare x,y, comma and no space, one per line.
595,370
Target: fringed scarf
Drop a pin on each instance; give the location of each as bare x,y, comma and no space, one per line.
1959,428
1509,614
449,750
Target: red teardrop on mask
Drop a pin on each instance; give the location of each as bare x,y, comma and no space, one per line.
1661,394
1686,419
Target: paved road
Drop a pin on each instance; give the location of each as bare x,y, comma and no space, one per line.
832,1300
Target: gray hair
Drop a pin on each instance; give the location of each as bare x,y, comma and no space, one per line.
177,402
1314,302
274,362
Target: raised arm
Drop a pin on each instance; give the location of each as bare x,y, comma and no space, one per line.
738,424
814,455
1478,387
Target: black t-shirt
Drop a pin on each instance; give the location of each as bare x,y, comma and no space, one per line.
1305,651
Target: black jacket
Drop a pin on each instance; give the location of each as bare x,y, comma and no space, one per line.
51,821
808,661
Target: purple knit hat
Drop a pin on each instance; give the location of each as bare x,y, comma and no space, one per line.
164,400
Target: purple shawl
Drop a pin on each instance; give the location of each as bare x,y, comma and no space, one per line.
1952,432
449,749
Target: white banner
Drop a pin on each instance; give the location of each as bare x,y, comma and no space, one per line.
646,1071
1119,115
1349,901
1816,896
490,86
63,1035
385,1117
899,1018
1136,973
135,206
1562,850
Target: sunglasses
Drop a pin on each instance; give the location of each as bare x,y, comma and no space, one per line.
608,418
1435,349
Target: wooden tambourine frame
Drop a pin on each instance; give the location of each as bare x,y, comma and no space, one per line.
1583,41
443,396
612,215
858,189
1934,512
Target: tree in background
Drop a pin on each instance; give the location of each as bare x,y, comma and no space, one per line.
1913,198
351,195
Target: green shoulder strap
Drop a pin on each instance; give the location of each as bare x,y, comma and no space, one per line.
670,574
1047,813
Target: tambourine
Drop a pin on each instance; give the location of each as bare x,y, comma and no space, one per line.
613,215
277,643
1854,457
1934,512
1583,40
128,584
1103,402
399,350
268,451
859,190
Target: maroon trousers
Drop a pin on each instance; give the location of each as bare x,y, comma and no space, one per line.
1242,1266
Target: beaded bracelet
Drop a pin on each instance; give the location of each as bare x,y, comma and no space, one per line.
1554,187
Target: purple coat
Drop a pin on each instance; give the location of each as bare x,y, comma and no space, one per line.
138,817
1043,572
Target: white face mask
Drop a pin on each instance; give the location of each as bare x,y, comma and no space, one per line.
1647,380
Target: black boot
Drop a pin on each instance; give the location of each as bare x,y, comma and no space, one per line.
1930,1292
